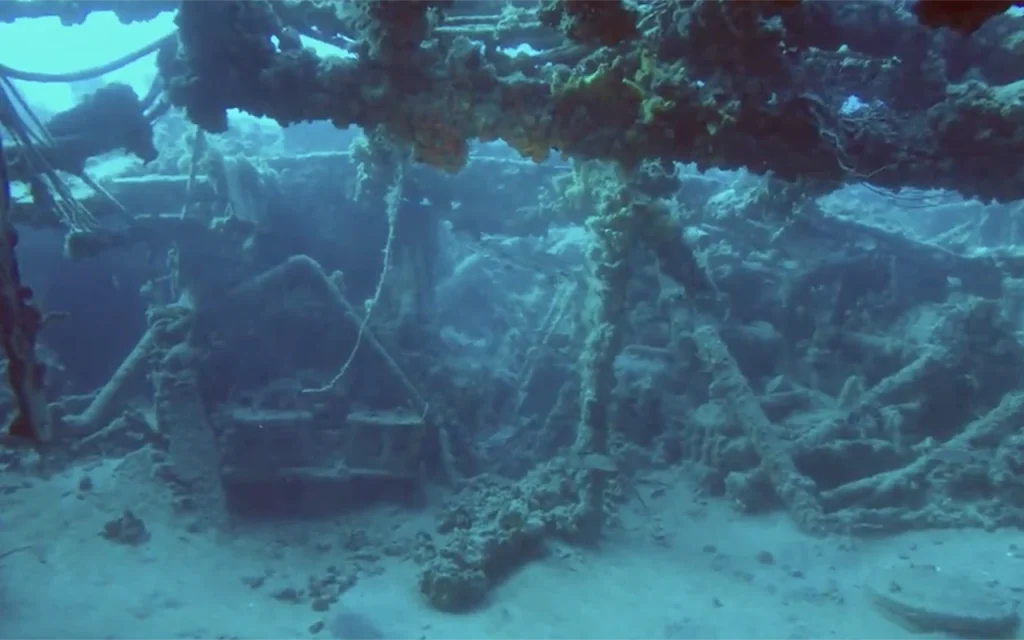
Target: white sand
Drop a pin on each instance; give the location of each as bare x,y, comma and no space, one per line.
654,577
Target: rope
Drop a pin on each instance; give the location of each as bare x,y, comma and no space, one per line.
392,200
91,72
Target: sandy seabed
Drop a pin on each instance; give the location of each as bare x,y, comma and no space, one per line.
678,567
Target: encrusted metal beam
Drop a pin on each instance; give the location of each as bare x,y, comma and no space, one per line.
719,84
71,13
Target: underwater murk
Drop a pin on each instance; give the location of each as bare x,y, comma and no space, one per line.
559,319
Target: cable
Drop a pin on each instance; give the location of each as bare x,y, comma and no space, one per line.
33,140
91,72
33,146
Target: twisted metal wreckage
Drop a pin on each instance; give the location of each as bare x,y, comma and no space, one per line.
113,118
718,84
762,86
